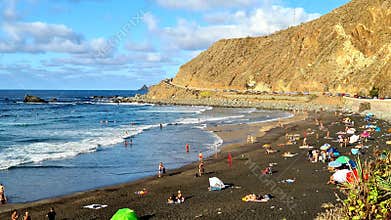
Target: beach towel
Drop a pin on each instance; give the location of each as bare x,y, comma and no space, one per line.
95,206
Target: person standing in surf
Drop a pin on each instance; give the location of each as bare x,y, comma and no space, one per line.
3,198
162,169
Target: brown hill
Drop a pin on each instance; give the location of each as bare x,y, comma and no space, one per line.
347,50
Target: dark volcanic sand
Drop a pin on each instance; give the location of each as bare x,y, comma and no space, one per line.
299,200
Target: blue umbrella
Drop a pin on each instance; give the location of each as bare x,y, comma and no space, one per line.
335,164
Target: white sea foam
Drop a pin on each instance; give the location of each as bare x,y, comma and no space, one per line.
180,109
206,119
94,139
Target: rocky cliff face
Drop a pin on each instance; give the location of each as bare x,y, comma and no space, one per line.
347,50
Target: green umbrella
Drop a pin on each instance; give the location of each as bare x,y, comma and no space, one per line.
343,159
125,214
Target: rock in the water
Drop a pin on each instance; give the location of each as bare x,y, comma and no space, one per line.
53,100
144,88
33,99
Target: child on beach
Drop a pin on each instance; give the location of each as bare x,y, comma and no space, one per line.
14,215
26,216
201,169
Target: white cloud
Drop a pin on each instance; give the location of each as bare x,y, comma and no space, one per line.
40,37
258,22
139,46
9,12
205,4
150,20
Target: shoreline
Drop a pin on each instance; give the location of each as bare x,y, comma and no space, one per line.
224,148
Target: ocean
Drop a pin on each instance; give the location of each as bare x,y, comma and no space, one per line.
78,143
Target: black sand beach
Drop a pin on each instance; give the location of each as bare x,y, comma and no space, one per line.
302,199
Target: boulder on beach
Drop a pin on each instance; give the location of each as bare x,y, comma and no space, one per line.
33,99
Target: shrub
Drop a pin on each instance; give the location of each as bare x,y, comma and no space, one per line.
374,92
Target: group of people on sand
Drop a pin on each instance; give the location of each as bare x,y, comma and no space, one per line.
51,215
179,198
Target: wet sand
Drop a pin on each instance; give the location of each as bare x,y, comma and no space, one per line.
299,200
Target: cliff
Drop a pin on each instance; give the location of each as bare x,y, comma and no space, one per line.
347,50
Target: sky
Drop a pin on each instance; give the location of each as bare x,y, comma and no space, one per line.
122,45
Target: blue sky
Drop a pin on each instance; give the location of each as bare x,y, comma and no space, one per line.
117,44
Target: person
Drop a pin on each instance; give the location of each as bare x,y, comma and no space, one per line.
187,148
51,214
179,198
161,126
14,215
26,216
305,141
229,159
126,143
3,198
171,199
200,156
267,171
201,169
162,169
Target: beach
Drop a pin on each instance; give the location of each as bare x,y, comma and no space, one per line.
299,200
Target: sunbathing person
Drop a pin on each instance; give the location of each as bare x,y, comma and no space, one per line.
179,198
171,199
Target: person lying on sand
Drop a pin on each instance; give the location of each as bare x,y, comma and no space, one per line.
289,154
256,198
171,199
141,193
267,171
270,151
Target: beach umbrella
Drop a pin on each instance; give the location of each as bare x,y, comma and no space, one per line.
343,159
335,164
325,146
351,131
354,151
352,164
125,214
369,114
377,129
353,139
365,134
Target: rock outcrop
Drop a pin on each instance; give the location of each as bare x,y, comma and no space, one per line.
347,51
33,99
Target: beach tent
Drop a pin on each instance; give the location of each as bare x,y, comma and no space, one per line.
125,214
216,184
340,176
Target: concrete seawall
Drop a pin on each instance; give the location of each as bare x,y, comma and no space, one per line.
381,108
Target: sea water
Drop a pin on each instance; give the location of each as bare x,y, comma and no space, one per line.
78,143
